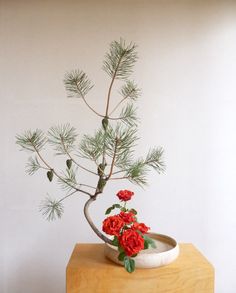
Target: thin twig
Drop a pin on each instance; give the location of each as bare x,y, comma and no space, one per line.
113,159
110,87
68,195
117,118
119,178
118,105
69,155
108,102
87,104
126,97
85,185
121,171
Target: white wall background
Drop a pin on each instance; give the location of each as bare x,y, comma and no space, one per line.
186,69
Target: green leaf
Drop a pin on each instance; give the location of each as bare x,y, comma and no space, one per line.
120,249
50,175
115,241
108,211
150,241
133,211
146,244
129,264
116,205
121,256
69,163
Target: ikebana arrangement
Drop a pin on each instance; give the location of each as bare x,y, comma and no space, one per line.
111,149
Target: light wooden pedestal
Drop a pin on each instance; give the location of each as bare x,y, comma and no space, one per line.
88,271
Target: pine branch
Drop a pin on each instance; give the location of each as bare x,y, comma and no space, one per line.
68,180
34,142
113,158
128,115
127,138
88,218
33,166
91,147
137,173
31,139
62,138
119,61
137,170
129,90
110,147
77,83
51,209
85,185
79,165
124,160
119,178
154,159
119,64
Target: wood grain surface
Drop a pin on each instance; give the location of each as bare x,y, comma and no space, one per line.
88,271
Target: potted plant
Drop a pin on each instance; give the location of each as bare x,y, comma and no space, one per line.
111,150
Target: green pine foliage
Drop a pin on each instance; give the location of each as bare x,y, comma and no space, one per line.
77,84
130,90
91,146
68,180
111,148
31,140
51,209
32,166
120,59
128,115
62,138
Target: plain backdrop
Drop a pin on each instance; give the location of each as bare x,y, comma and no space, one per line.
186,69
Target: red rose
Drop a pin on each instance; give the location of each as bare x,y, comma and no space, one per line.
112,225
131,241
127,217
141,227
125,195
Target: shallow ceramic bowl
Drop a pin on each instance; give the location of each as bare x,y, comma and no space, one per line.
166,251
